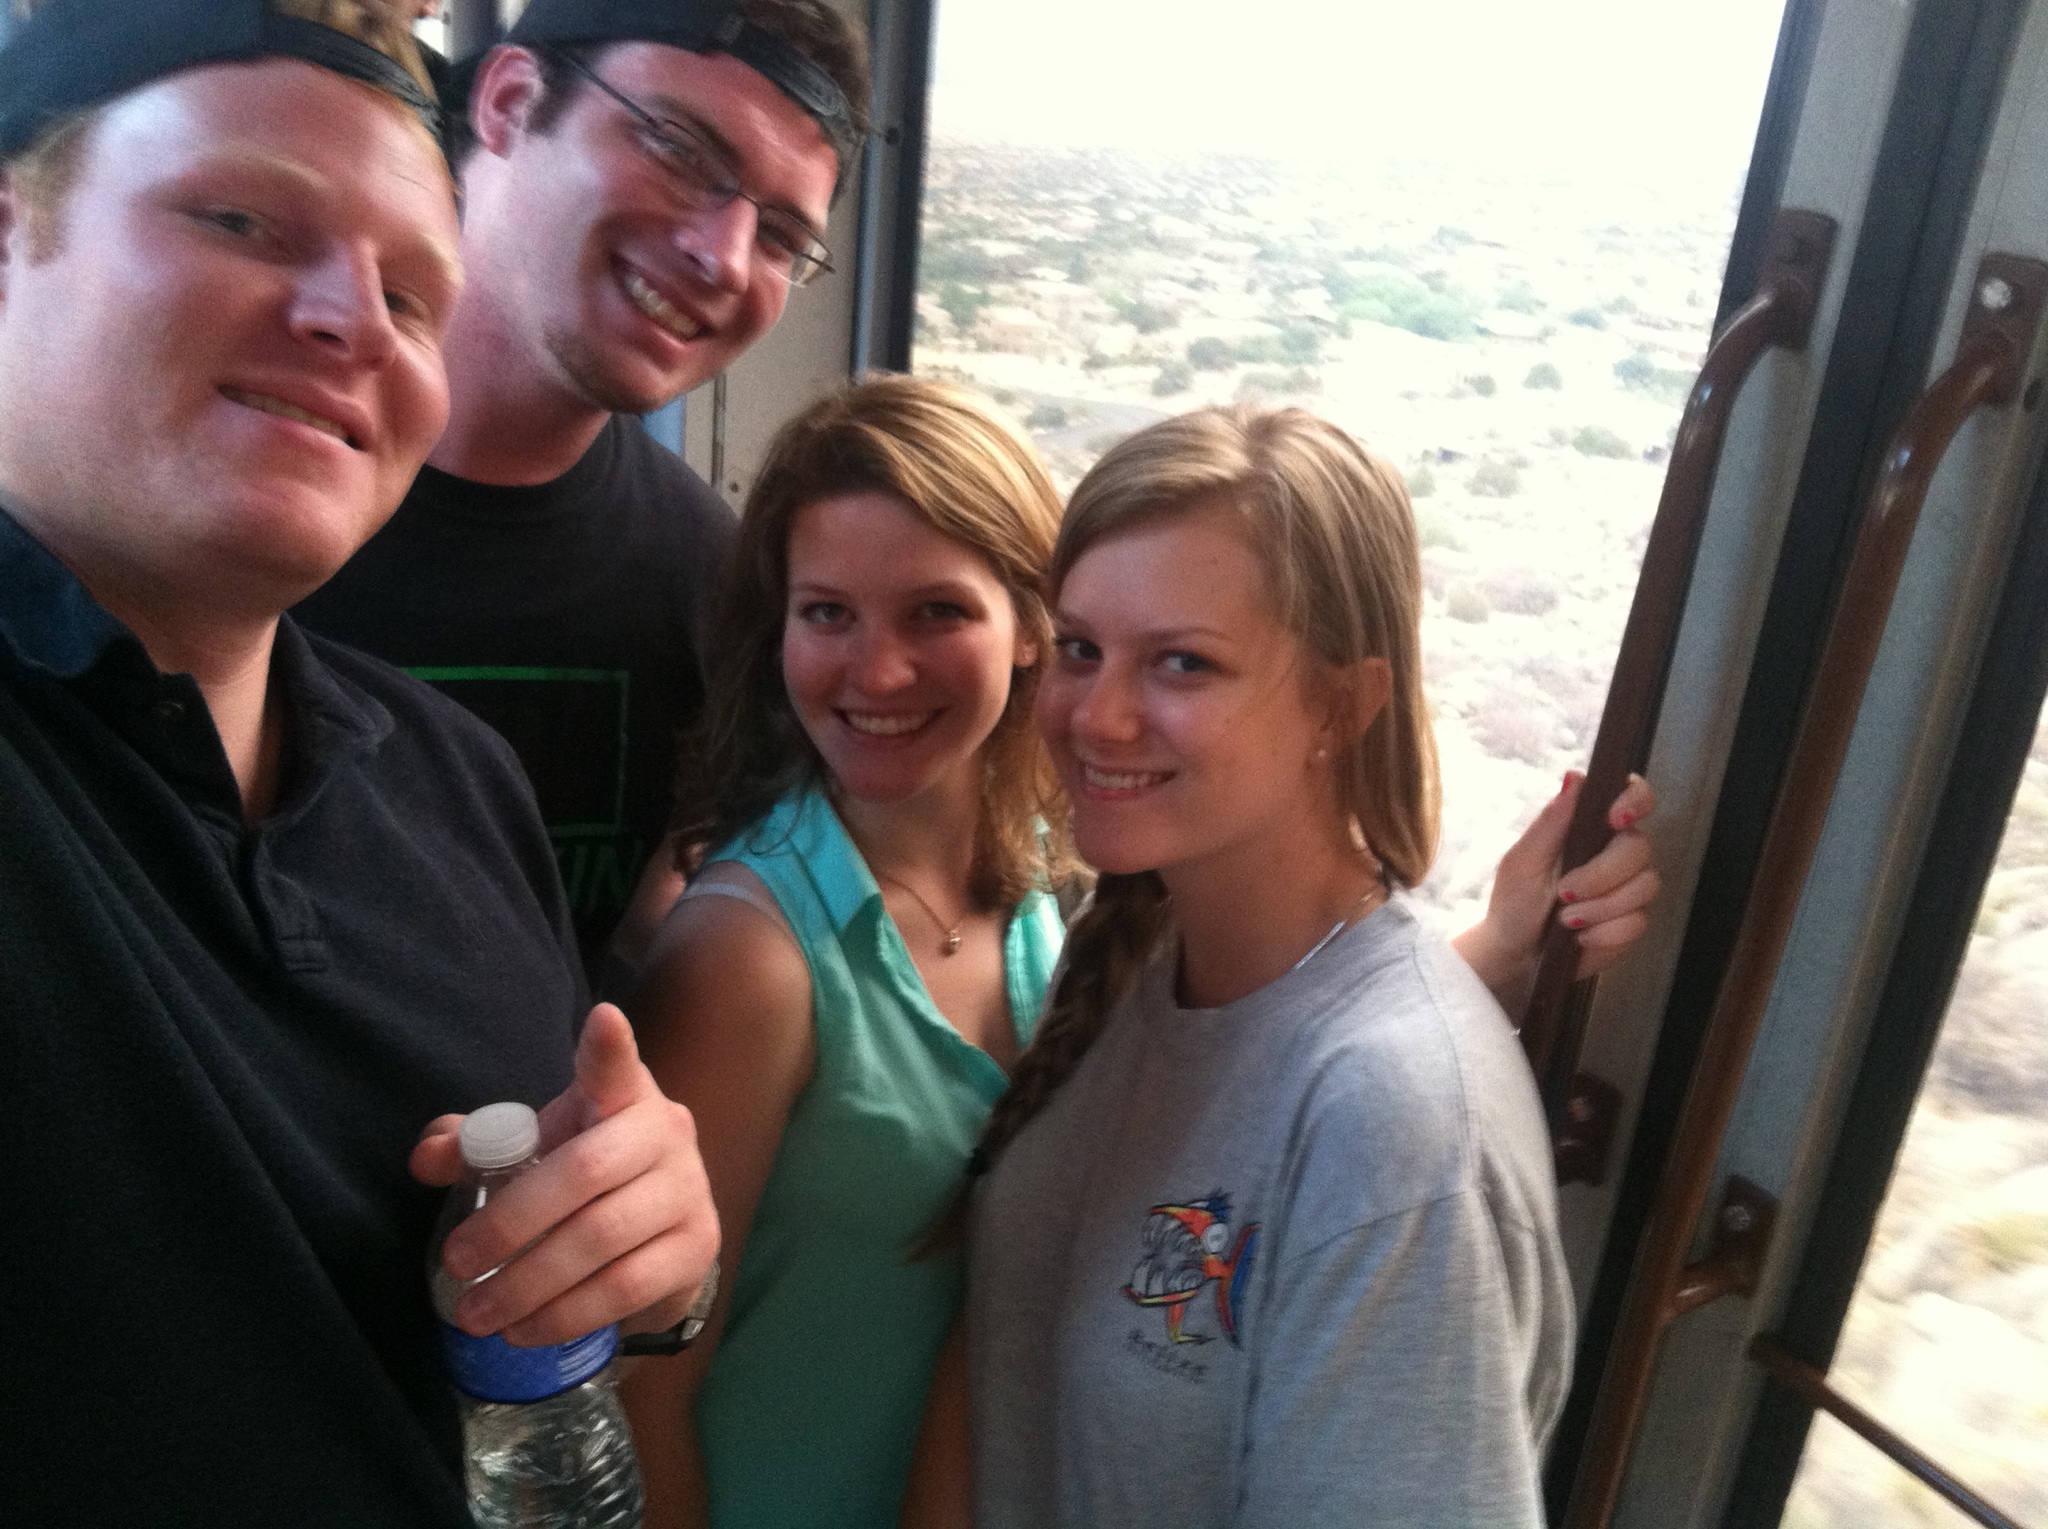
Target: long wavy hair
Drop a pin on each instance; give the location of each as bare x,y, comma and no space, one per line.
971,477
1332,527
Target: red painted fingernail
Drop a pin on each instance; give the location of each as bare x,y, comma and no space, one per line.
1567,897
1575,922
1626,818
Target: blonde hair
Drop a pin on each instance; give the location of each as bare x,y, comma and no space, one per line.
972,478
1332,526
42,176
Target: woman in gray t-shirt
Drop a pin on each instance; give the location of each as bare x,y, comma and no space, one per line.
1270,1236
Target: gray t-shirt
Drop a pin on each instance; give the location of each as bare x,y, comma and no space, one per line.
1290,1262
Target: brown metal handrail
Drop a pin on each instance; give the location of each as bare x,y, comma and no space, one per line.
1809,1383
1990,358
1780,314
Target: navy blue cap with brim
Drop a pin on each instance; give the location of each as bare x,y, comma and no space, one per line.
700,26
72,54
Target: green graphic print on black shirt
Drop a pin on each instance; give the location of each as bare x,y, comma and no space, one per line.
566,615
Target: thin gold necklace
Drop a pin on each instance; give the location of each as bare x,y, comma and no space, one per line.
948,946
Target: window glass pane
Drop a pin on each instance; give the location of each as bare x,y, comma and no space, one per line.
1946,1340
1872,1497
1487,239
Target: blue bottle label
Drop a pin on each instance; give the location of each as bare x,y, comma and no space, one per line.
492,1370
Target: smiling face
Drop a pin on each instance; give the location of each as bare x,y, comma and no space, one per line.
595,275
225,375
1178,710
897,647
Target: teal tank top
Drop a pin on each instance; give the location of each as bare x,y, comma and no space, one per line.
811,1407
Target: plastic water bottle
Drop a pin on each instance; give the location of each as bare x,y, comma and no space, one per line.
545,1441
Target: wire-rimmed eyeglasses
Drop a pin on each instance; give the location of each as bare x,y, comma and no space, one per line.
705,180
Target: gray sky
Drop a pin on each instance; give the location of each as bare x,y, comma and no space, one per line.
1621,83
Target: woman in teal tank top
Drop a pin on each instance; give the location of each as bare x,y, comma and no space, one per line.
864,951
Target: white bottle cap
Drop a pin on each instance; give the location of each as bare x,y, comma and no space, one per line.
499,1135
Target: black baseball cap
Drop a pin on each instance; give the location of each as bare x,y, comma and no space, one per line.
72,54
700,26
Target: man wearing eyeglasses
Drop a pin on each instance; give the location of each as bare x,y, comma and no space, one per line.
643,183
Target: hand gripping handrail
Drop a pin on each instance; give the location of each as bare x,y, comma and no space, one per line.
1780,314
1991,356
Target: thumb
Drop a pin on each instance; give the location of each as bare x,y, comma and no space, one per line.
608,1070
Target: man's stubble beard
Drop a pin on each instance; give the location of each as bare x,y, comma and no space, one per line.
584,371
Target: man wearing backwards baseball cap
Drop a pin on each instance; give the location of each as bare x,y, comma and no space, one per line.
266,905
644,181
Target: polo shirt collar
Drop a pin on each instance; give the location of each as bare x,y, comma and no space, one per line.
53,625
844,882
48,620
329,719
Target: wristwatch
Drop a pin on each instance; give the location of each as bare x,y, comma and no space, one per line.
673,1340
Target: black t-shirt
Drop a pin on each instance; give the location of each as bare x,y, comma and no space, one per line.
219,1044
567,616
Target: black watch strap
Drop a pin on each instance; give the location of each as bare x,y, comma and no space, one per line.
673,1340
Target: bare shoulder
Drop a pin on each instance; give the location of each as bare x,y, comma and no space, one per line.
723,963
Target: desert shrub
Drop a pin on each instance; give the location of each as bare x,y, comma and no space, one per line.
1146,318
1403,302
1435,528
1174,377
1635,371
1599,441
1297,344
1495,480
1046,416
1519,298
962,303
1544,375
1587,318
2012,1241
1641,374
1576,692
1210,354
1483,385
1463,601
1508,726
941,260
1301,343
1279,384
1993,1054
1522,592
1421,482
